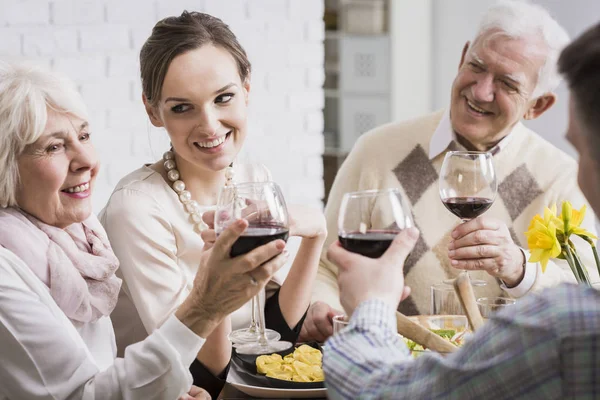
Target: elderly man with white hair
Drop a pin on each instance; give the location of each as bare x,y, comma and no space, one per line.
506,74
545,347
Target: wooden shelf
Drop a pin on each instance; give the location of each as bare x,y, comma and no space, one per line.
333,35
332,67
332,93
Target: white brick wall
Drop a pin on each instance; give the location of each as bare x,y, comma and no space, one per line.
97,42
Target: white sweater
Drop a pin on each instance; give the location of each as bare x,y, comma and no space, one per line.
158,250
43,356
532,174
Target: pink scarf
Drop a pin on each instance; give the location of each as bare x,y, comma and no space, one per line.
76,263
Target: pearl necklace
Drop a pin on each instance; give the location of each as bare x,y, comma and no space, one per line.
185,197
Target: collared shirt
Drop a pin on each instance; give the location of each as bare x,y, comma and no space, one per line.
545,347
443,137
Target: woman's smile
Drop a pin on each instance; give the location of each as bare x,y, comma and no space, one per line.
213,146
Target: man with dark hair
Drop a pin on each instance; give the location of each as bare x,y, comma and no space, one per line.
546,347
580,65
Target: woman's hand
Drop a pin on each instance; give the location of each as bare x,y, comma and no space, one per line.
223,284
318,324
196,393
209,236
307,222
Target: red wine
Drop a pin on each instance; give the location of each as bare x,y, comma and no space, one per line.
369,244
467,207
256,236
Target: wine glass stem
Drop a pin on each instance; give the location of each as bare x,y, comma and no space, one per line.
253,326
261,322
464,271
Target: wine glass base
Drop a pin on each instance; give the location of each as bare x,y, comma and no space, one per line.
247,335
264,348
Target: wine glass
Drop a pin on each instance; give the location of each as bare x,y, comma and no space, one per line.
370,220
263,206
468,186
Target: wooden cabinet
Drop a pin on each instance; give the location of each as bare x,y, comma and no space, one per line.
357,77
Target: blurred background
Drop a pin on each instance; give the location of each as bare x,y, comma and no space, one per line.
324,72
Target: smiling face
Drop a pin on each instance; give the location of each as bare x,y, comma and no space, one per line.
203,107
578,134
58,171
492,90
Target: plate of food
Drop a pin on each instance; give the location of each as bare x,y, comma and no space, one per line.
453,328
296,373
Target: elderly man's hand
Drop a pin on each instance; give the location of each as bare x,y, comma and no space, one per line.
486,244
318,324
361,278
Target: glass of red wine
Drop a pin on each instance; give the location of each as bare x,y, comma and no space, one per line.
370,220
263,206
468,186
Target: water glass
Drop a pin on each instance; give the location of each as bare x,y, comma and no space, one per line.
339,323
490,305
444,300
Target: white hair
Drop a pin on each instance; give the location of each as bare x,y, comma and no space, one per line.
26,94
521,19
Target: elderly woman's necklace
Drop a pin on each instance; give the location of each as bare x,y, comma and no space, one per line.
185,197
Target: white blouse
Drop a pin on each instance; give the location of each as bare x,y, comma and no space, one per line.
43,355
159,251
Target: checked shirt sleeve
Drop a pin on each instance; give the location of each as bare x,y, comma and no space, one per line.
516,354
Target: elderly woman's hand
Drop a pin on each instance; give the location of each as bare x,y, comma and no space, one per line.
223,284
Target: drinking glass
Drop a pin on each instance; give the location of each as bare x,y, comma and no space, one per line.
369,220
339,323
444,300
263,206
468,185
490,305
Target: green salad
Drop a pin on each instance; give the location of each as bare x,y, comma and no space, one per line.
448,334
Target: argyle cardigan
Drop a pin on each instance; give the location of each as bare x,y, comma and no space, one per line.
531,173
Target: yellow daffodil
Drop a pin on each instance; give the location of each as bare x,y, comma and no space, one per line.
535,219
569,222
572,220
549,237
566,214
549,215
542,241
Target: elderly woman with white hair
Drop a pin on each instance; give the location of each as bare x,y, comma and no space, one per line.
58,283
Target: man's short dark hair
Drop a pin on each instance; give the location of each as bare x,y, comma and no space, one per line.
580,64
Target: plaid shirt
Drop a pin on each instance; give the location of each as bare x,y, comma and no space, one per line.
546,347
